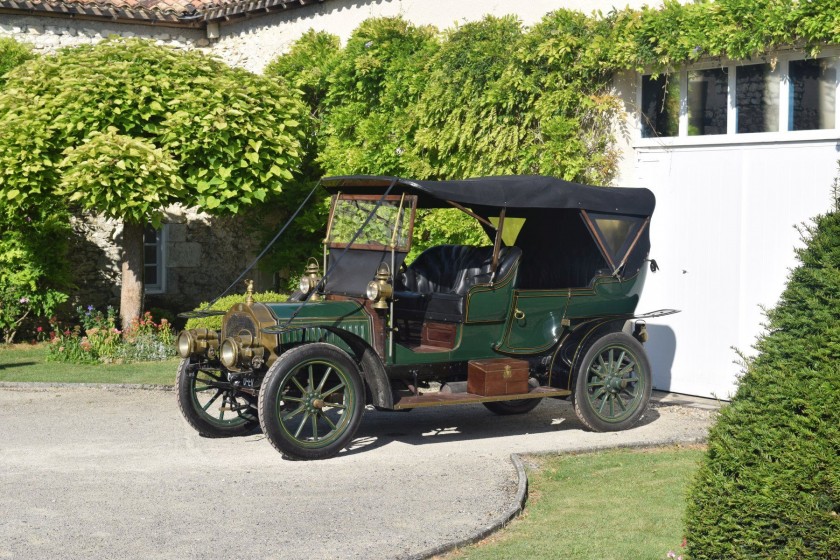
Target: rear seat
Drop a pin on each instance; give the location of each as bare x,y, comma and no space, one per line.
435,285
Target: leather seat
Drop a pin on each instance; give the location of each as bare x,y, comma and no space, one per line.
435,285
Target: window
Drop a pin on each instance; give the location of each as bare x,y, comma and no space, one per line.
813,93
786,96
660,106
707,94
154,267
757,98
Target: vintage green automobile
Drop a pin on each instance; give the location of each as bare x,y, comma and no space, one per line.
545,309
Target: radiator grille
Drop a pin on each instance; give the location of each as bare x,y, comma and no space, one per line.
239,322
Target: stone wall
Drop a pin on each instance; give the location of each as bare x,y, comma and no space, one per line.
48,34
203,256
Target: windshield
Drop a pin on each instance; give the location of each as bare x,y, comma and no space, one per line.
390,225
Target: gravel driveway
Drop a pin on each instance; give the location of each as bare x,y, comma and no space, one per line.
91,472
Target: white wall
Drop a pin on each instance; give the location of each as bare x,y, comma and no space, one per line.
723,234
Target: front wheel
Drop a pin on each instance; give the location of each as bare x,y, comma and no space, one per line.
311,401
212,405
613,383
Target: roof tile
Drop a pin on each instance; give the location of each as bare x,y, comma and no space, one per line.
164,9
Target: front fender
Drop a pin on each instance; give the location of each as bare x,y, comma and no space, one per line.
370,366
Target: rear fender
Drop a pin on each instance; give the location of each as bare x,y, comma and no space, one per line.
571,349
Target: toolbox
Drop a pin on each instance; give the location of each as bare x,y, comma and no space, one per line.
494,377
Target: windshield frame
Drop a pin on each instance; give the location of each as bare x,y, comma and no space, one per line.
409,203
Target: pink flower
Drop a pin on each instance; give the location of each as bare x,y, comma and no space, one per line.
671,554
40,329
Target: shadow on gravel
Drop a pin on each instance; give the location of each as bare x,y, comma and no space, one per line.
460,423
466,422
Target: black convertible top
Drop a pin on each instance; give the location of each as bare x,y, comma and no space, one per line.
509,191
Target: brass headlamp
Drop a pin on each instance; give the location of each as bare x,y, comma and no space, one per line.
198,341
242,349
379,290
311,276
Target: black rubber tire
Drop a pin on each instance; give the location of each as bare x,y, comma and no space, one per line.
594,378
278,415
206,424
517,406
506,408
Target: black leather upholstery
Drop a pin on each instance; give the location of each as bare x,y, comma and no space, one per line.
435,285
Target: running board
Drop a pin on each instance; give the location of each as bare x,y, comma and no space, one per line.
443,399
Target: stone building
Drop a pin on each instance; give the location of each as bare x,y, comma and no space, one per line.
743,151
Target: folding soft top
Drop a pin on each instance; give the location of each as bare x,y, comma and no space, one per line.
510,191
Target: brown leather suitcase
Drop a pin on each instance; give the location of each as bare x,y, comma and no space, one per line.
502,376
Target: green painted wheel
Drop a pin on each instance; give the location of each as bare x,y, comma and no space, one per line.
613,383
211,405
311,401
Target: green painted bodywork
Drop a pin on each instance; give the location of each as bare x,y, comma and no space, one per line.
308,325
500,320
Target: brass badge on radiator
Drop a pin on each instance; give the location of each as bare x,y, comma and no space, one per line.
507,373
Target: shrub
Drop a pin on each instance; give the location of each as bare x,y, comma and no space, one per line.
225,303
770,483
33,267
12,54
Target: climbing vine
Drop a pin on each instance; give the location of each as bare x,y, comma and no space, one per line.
493,97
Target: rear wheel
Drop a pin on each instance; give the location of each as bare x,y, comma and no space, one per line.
613,383
518,406
211,404
311,401
506,408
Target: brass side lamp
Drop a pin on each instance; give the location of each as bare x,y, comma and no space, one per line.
311,276
379,290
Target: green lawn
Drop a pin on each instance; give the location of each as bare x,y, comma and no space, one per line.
24,362
618,505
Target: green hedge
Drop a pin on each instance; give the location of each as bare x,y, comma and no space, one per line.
226,303
770,484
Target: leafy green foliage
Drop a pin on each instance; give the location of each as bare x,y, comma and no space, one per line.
308,66
445,226
12,54
33,267
119,176
225,303
661,39
770,484
234,138
478,105
368,116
